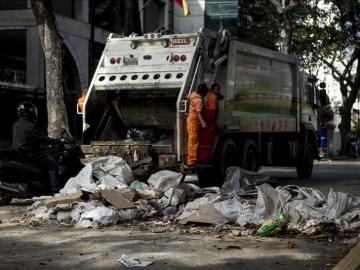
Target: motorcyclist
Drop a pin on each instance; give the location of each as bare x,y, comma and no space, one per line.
29,141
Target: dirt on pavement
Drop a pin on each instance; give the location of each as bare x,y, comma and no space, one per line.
31,245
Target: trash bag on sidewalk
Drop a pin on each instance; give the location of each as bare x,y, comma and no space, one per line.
111,165
164,180
242,182
97,217
100,173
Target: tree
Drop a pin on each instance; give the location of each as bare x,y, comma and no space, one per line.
52,45
331,37
126,17
268,23
254,27
284,21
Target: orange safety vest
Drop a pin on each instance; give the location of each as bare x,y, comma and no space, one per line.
81,101
211,101
196,105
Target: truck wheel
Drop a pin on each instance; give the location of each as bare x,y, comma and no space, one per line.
229,156
4,200
250,159
226,157
305,165
207,177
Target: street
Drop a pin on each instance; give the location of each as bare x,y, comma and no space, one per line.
29,245
341,175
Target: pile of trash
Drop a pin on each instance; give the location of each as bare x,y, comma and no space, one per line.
106,193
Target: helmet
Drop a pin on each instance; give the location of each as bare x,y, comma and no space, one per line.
27,109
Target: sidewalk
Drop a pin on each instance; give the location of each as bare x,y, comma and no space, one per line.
340,158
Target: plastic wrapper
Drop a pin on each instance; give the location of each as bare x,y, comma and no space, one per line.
272,226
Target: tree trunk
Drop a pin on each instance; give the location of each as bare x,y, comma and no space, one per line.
126,17
286,34
118,15
52,45
345,127
284,10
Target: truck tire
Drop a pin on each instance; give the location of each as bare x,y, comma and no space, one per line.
225,157
305,164
4,200
229,156
249,157
207,177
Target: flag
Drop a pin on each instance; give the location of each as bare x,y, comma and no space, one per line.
184,6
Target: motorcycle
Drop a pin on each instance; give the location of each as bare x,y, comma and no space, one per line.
21,179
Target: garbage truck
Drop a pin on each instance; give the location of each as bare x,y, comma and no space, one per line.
136,106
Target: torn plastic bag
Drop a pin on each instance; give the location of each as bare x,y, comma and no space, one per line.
101,215
173,197
229,209
164,180
130,214
243,182
81,182
232,181
195,205
269,201
130,262
246,215
340,203
113,165
42,212
82,207
206,214
110,182
147,209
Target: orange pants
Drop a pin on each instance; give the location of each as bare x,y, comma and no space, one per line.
207,136
210,118
193,130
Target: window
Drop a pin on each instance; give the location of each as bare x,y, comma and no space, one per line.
13,57
13,4
63,8
221,14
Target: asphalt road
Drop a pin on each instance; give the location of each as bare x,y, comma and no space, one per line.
25,245
341,175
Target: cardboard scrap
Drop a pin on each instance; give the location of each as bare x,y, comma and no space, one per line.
207,215
96,196
129,194
66,199
116,199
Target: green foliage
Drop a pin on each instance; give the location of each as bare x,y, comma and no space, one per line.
255,27
324,33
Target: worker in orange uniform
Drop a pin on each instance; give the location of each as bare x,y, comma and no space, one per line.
211,104
208,134
195,122
81,100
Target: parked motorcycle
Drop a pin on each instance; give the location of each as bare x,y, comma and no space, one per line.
21,179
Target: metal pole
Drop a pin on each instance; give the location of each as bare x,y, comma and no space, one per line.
92,36
145,5
358,118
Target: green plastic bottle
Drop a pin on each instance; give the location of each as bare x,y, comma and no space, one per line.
272,225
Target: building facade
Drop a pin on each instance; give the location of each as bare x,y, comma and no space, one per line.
84,26
22,68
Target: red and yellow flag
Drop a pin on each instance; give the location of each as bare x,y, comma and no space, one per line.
184,6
